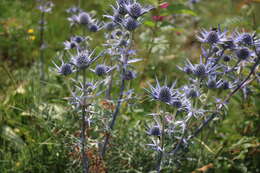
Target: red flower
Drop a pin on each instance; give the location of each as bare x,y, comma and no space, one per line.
164,5
158,18
178,33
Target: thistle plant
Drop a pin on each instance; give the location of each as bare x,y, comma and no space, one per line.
228,64
79,58
44,7
82,97
126,18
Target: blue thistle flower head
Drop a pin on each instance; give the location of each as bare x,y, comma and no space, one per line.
131,24
122,2
116,17
93,27
191,91
194,1
135,9
73,10
118,13
74,19
101,70
212,82
226,58
245,38
258,50
243,53
212,37
188,67
215,49
177,103
165,94
45,7
77,39
65,68
224,84
129,75
122,42
121,8
188,70
82,59
118,33
162,93
84,18
110,26
155,131
200,70
70,45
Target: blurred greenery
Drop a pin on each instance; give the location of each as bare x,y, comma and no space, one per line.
38,127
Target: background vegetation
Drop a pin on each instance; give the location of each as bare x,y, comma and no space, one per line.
37,128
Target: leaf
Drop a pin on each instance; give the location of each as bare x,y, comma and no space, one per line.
165,23
180,9
177,29
190,12
149,23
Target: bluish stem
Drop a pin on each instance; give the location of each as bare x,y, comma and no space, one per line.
115,113
83,136
160,152
42,75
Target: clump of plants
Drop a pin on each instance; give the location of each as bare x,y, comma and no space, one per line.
228,65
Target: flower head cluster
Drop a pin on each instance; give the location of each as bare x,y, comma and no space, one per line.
135,9
245,38
214,36
45,6
64,69
102,69
80,61
126,13
200,70
74,10
84,19
209,86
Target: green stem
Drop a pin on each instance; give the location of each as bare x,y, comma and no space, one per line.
8,73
